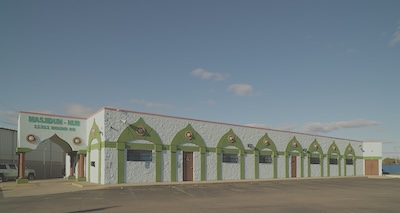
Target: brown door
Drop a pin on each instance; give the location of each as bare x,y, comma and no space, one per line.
294,166
187,166
371,167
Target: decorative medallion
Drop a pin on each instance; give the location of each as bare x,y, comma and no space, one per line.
31,138
334,148
140,130
77,140
315,146
350,149
266,142
189,135
294,144
231,138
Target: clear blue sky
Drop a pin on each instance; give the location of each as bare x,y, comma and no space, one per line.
322,67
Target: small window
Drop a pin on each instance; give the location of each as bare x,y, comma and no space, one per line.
265,159
139,155
3,166
229,158
314,160
349,161
333,161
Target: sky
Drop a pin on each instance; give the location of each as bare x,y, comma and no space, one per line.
328,68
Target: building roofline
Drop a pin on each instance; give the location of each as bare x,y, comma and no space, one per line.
220,123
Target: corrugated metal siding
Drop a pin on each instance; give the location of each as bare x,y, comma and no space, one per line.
8,144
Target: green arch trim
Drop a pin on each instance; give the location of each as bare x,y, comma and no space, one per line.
332,150
196,139
129,134
224,142
94,134
349,151
315,147
291,147
181,138
260,146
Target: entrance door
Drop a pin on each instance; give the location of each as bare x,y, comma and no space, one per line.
294,166
187,166
371,167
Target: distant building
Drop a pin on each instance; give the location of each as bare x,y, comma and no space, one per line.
122,146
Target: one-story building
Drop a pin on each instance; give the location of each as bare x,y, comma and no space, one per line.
122,146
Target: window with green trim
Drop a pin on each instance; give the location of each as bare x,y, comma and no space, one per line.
333,161
265,159
349,161
229,158
139,155
314,160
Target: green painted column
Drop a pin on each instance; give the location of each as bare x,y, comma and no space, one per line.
158,148
256,164
321,162
219,164
309,164
173,150
242,168
302,165
121,164
88,163
287,164
354,165
203,163
99,175
339,166
275,159
328,166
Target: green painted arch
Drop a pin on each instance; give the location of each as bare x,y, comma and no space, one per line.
333,148
315,147
130,133
180,137
261,145
349,151
223,142
294,145
94,133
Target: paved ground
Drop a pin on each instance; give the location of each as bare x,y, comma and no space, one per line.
359,194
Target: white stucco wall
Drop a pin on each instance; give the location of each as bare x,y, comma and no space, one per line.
140,171
111,166
166,166
231,171
211,166
249,166
265,170
281,167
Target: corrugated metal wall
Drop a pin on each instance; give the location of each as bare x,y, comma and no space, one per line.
48,160
8,144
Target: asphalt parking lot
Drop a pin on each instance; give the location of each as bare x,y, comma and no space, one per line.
357,194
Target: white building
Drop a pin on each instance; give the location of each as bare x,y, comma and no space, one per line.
122,146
